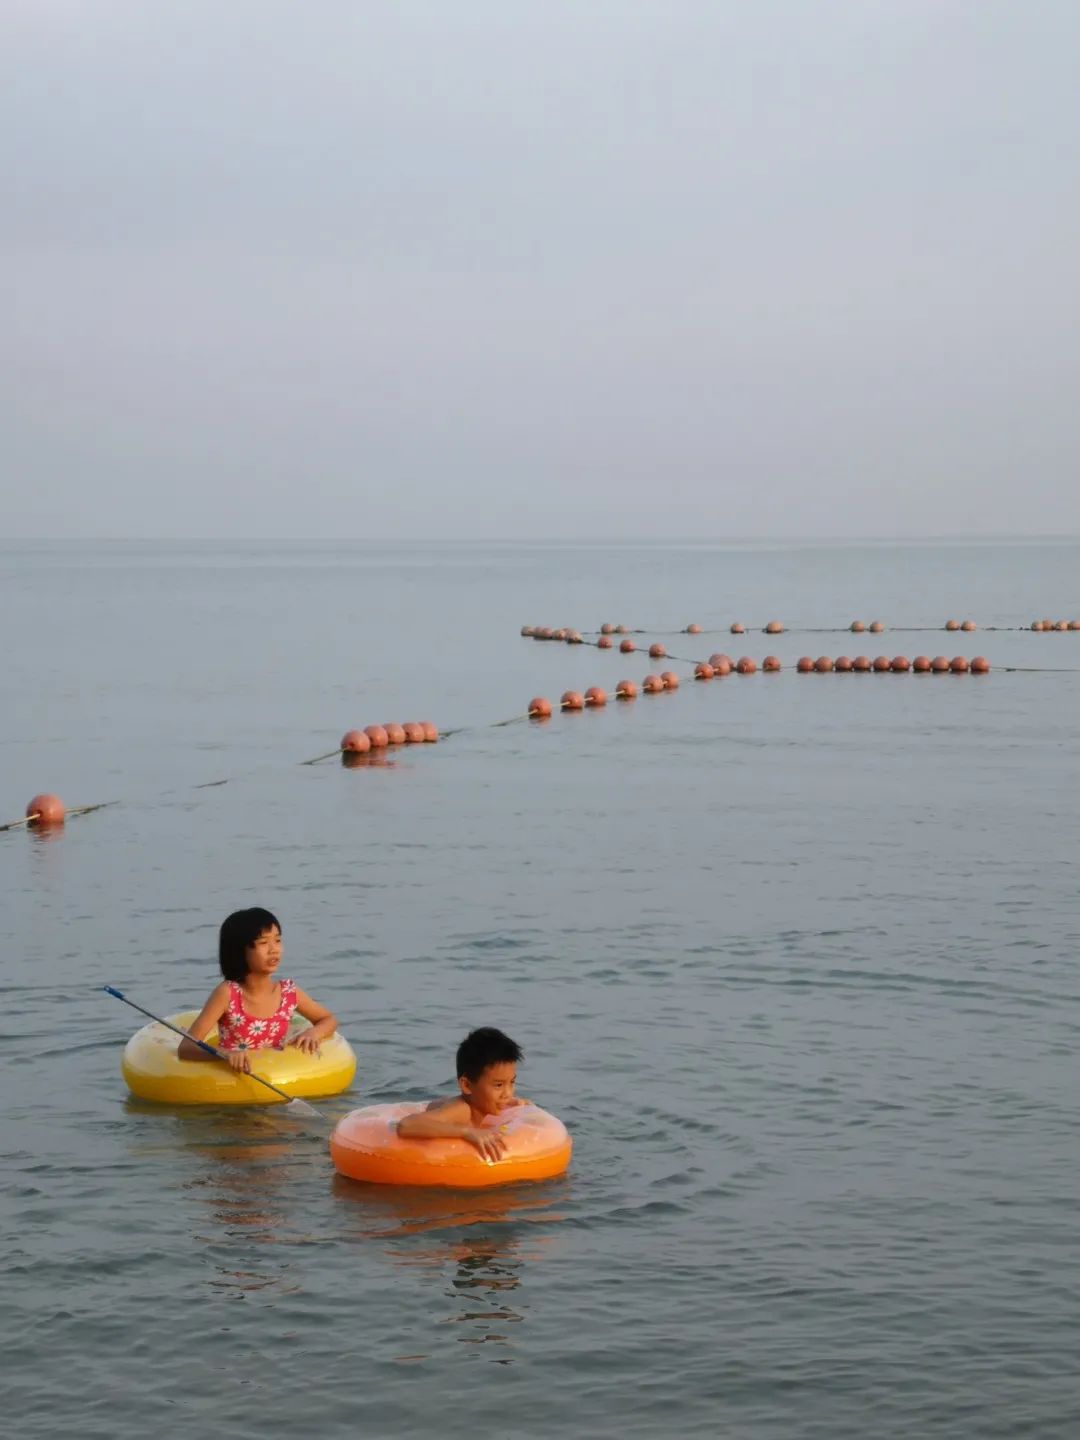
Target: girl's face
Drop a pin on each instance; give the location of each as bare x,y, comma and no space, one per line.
263,955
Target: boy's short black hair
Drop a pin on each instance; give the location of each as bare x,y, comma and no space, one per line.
482,1048
241,929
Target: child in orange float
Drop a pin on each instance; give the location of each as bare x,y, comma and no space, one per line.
487,1063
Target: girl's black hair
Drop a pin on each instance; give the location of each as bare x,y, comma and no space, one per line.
241,929
485,1047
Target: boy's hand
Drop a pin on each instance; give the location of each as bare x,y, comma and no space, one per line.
307,1041
490,1144
238,1060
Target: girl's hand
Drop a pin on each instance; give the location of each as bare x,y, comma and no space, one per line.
490,1144
307,1041
238,1060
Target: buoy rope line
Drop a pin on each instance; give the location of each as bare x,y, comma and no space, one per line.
582,637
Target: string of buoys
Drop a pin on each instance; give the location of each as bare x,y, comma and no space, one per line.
47,812
607,631
1058,625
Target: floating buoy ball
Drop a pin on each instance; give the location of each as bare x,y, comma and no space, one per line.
857,627
882,663
771,664
657,651
652,685
355,742
980,665
876,627
774,627
861,664
604,643
572,700
607,629
627,647
46,810
539,708
693,630
952,624
377,735
939,665
823,665
921,664
414,734
595,696
901,664
959,665
738,628
843,664
395,734
703,670
670,679
746,666
626,690
528,629
968,625
804,665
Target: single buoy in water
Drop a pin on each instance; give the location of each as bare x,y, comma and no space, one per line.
46,810
901,664
921,664
774,627
377,735
980,665
703,670
861,664
968,625
1062,625
771,663
607,629
738,628
542,633
1037,625
355,742
843,664
857,627
746,666
595,696
572,700
882,663
573,637
693,630
823,665
539,708
657,651
952,624
620,630
670,679
717,660
804,665
414,733
939,665
395,734
626,690
723,666
605,642
559,634
431,732
627,647
876,627
528,629
652,685
959,665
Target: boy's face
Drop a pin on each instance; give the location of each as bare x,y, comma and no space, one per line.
493,1090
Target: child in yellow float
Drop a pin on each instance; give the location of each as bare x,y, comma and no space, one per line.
250,1008
487,1062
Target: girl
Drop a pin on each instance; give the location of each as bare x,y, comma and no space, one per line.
250,1008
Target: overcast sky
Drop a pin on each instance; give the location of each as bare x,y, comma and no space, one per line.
480,268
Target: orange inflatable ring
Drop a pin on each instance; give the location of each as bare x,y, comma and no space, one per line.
365,1145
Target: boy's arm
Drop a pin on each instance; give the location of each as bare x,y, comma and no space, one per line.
451,1120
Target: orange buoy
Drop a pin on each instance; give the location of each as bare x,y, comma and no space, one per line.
595,696
573,637
626,690
804,665
607,629
771,663
414,733
1062,625
901,665
968,625
703,670
620,630
723,666
627,647
861,664
657,651
980,665
1037,625
1047,624
539,708
693,630
377,735
542,633
882,663
738,628
605,642
395,734
921,664
670,679
559,634
959,665
876,627
717,660
843,664
652,685
746,666
857,627
572,700
939,665
431,732
46,810
774,627
355,742
952,624
1074,624
528,630
823,665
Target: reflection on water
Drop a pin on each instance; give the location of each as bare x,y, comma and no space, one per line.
484,1271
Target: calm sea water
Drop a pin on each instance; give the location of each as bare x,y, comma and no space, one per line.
795,958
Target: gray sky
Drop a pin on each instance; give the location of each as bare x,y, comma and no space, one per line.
476,268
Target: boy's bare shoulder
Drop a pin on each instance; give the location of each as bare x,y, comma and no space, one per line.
453,1107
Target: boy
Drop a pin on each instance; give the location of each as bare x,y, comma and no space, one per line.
487,1063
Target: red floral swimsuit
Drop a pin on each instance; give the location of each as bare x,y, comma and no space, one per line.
237,1030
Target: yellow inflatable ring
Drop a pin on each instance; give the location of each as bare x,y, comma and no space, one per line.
365,1145
153,1072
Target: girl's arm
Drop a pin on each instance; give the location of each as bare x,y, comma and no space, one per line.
323,1023
201,1026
